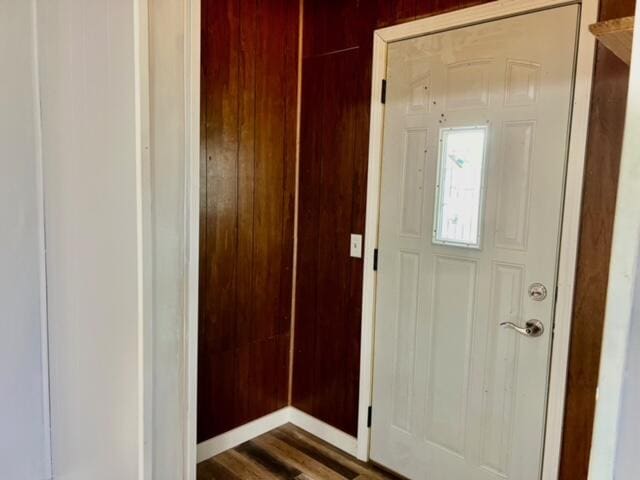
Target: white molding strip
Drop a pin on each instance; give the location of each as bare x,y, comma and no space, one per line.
324,431
331,435
573,196
145,244
569,242
192,237
468,16
42,249
237,436
369,278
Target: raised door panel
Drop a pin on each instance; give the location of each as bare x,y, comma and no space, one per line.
500,367
451,318
405,335
413,171
512,223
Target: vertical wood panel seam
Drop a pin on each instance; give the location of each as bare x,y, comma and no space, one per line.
296,205
284,185
253,190
235,360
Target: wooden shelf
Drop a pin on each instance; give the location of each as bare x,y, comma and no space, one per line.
616,35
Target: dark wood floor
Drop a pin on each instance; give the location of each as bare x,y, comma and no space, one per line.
287,453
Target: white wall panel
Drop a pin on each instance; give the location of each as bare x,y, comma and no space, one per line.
23,376
168,172
91,145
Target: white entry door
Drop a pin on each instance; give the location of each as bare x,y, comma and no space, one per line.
473,172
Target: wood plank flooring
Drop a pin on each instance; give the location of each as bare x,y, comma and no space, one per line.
288,453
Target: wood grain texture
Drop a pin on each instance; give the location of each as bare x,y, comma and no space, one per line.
616,35
326,359
336,91
604,149
288,453
249,105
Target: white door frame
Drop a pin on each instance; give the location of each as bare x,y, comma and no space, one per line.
192,233
572,201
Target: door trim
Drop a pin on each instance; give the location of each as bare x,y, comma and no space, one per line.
571,214
192,45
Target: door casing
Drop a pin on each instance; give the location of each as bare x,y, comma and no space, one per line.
571,214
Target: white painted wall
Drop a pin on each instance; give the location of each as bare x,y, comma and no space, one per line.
174,74
23,416
91,142
167,107
627,459
614,452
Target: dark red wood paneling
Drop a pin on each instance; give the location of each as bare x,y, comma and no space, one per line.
304,360
249,98
220,140
332,197
404,10
604,148
330,26
334,402
328,143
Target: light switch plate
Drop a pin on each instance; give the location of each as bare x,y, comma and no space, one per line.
356,246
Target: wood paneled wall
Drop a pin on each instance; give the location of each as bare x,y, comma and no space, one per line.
604,148
248,142
336,91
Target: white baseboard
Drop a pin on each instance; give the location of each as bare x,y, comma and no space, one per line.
333,436
233,438
324,431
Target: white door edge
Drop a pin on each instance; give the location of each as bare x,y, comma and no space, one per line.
571,215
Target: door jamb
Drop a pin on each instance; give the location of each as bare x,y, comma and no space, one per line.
571,214
192,233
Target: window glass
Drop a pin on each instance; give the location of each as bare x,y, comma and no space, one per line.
459,192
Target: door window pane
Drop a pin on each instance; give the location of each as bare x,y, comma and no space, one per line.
459,192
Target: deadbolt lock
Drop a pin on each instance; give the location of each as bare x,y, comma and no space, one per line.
537,292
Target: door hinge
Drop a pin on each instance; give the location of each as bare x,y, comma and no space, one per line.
375,260
369,415
383,94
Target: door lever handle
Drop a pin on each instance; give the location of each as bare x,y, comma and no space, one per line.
533,328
